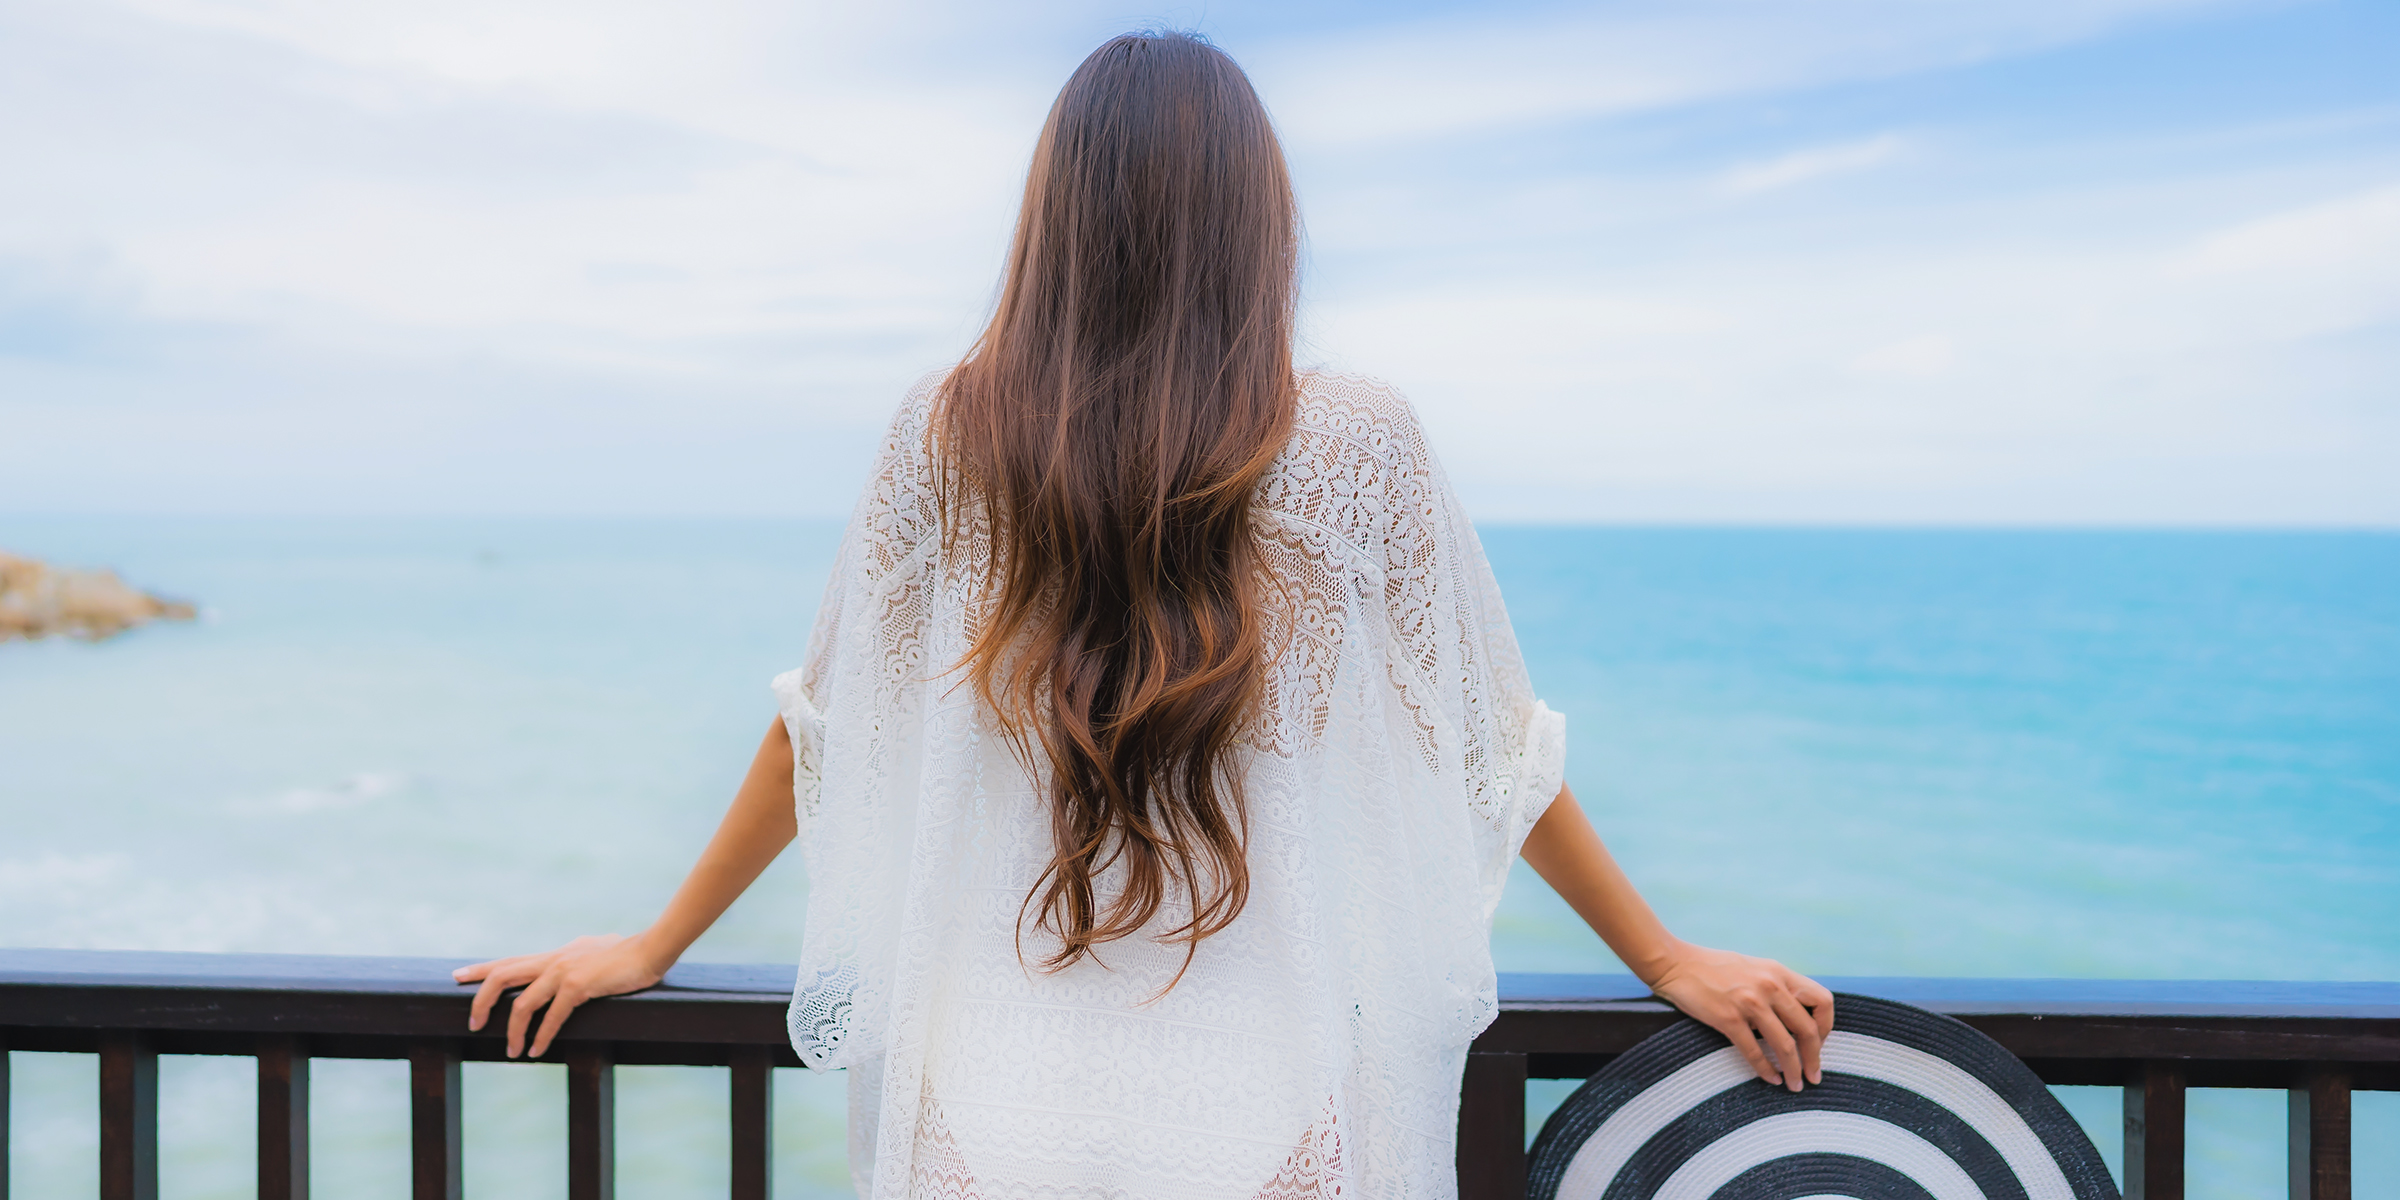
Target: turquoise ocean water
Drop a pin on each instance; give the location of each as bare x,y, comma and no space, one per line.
2171,755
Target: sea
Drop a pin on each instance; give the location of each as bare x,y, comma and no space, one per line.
2093,754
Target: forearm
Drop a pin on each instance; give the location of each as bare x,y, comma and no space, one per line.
1568,854
756,828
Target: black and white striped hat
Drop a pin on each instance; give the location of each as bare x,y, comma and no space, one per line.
1914,1105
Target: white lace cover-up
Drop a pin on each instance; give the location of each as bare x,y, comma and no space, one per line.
1314,1048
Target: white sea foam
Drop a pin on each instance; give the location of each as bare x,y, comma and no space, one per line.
361,788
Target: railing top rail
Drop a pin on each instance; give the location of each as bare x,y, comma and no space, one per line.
1968,996
753,983
341,974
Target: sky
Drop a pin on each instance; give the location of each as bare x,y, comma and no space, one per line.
1907,262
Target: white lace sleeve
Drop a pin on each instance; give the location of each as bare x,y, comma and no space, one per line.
1465,680
873,609
806,727
855,711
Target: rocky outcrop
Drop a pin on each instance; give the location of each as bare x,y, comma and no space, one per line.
37,600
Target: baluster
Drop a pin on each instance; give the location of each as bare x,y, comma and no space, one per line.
2154,1132
433,1132
2319,1145
591,1123
3,1119
128,1117
1491,1128
753,1132
282,1118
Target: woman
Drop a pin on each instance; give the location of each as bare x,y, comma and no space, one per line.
1163,745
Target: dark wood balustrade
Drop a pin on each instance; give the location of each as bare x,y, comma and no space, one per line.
2319,1042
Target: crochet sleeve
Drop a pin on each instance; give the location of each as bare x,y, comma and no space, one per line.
1456,660
864,648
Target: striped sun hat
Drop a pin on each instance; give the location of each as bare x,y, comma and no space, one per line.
1914,1105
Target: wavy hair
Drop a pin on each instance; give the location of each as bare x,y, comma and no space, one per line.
1112,423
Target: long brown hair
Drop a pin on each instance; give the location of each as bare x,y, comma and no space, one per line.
1112,423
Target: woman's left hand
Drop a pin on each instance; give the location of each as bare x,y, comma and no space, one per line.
1749,999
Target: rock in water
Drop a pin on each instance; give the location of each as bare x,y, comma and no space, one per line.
37,600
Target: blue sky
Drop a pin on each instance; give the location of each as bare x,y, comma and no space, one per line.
1884,261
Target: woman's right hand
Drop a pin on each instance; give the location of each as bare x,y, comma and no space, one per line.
1742,997
584,969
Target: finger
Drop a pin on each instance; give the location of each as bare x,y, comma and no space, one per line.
1802,1028
1819,1000
1779,1040
506,974
1738,1032
474,971
520,1014
1820,1003
562,1007
486,996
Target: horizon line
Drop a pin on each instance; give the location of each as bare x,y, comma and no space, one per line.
1643,524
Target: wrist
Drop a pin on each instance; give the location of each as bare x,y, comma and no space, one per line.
654,952
1653,967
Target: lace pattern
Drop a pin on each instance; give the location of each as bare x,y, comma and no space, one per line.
1398,761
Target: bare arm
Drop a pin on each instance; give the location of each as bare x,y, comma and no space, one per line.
755,829
1732,993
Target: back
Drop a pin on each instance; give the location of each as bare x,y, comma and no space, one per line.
1396,761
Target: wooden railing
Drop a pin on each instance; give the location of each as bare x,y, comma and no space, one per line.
2318,1041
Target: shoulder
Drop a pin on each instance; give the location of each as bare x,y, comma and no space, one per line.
1356,461
908,437
1360,409
902,488
1365,422
918,403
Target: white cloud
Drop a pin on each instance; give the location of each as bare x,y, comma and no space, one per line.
632,190
1466,72
25,879
519,253
2356,232
2310,271
1918,357
2108,384
1802,165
